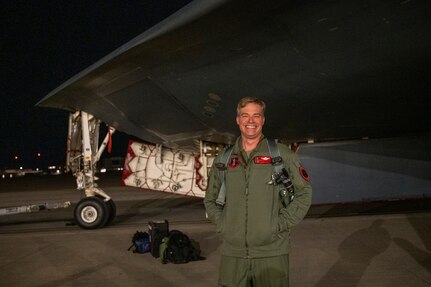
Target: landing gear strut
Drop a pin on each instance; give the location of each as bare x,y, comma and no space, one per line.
97,209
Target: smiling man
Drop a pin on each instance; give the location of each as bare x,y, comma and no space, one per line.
256,219
250,119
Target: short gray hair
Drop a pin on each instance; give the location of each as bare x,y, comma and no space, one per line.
248,100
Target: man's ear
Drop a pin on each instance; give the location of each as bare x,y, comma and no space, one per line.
237,120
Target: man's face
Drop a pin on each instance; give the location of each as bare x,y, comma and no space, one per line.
250,121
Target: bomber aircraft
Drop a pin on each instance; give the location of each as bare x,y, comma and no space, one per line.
346,80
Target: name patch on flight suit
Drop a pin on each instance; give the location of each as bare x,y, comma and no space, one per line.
262,159
233,162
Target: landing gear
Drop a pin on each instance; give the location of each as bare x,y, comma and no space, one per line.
97,209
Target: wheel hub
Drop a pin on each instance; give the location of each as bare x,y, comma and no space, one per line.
89,214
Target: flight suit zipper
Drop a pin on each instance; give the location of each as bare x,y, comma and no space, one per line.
247,171
246,219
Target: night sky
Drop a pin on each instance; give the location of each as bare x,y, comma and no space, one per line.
43,44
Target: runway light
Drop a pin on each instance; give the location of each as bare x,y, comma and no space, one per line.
39,154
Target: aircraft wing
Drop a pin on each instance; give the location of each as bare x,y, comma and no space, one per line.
326,69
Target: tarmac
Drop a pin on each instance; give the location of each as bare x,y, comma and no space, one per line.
364,249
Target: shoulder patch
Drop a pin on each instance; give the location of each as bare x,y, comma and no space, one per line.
233,162
304,173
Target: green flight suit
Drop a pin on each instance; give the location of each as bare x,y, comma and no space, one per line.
254,223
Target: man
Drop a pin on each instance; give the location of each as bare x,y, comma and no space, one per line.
254,222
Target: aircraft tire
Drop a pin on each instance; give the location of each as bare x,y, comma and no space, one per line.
112,211
91,213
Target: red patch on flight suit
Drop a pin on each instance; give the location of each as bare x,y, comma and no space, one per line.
262,159
233,162
304,173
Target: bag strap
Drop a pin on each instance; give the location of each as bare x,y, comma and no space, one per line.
274,152
286,192
276,161
221,166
